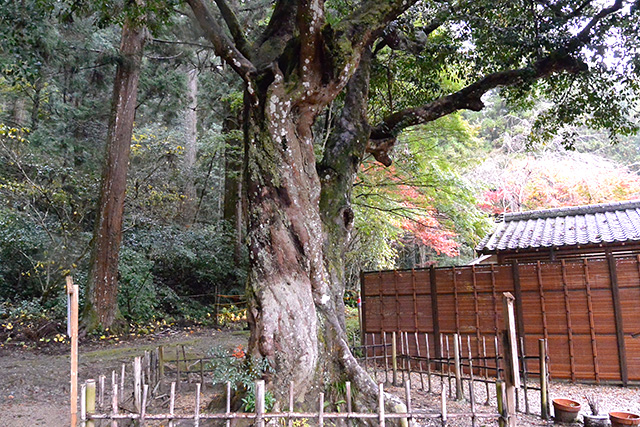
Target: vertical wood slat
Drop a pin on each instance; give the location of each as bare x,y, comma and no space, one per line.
455,301
395,288
476,309
435,316
415,300
494,298
362,306
617,311
382,319
592,326
567,308
517,288
543,306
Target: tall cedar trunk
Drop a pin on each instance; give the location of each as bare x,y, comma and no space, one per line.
232,210
102,303
190,146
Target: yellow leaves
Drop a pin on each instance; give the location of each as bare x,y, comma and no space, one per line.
8,326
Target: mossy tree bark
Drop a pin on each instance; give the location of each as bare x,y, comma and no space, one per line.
299,215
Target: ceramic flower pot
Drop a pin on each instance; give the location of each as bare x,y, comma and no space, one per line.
620,419
596,420
565,410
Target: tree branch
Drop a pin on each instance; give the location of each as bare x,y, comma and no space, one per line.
221,43
383,136
234,26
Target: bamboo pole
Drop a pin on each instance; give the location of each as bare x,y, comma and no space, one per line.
420,368
381,415
101,400
501,406
137,383
161,361
472,390
426,340
90,400
196,415
394,357
114,403
407,393
443,403
83,404
544,403
259,399
121,389
321,410
456,367
228,407
172,403
72,298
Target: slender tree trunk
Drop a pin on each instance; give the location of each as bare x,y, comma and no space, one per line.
102,303
190,146
233,210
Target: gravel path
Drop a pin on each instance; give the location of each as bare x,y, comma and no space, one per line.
612,398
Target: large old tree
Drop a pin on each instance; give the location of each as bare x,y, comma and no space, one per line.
309,55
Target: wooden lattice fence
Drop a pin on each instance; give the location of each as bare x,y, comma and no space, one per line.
585,309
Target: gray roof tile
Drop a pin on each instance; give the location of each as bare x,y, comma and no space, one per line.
567,226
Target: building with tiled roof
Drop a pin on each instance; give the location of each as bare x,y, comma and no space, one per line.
567,232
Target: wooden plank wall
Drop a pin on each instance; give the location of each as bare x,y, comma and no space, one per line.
586,309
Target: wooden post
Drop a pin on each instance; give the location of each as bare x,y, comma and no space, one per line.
443,402
228,407
456,367
196,415
512,371
259,403
90,400
172,404
544,402
617,312
394,358
407,393
72,293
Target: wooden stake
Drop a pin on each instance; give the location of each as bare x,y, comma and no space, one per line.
523,361
472,390
72,292
386,356
512,371
161,361
143,408
486,371
348,390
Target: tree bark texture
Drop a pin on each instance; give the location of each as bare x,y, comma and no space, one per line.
102,303
190,146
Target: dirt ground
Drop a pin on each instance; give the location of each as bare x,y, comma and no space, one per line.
34,383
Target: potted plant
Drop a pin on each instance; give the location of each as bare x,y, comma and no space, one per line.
595,419
623,419
566,410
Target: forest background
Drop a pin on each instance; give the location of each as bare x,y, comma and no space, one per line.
183,243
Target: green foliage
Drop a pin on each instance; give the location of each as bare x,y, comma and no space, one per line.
241,372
